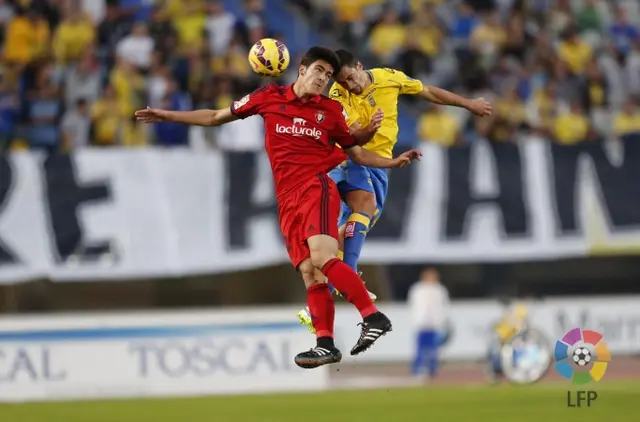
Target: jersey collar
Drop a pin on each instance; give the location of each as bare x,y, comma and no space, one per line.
291,96
370,87
370,73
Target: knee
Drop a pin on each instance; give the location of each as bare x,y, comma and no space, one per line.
320,257
363,202
322,249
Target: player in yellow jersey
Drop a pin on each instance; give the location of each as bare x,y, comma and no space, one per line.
513,321
362,94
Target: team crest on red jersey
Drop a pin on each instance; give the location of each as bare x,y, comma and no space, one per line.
319,116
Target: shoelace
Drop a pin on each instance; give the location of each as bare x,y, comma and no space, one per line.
363,330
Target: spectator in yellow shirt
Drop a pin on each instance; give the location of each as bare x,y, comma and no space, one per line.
572,127
426,31
234,62
129,86
512,109
106,119
546,123
627,120
439,127
543,108
352,11
26,37
594,90
387,36
576,53
134,133
224,95
189,20
417,5
73,36
488,38
413,60
351,15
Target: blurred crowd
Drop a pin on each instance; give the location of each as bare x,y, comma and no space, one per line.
568,70
73,71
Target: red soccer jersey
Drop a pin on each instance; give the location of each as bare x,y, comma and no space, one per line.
300,136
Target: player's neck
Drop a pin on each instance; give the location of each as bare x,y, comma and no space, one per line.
300,92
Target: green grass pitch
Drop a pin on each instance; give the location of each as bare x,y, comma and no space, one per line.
617,402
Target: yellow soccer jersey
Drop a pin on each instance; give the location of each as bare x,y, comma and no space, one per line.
511,323
383,93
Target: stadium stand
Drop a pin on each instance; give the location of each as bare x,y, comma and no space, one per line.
63,66
584,64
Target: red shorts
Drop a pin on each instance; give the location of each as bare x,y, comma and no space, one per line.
312,208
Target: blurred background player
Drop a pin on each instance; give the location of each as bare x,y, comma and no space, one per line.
362,93
429,303
514,320
300,149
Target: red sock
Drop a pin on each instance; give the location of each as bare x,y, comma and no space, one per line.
350,286
322,309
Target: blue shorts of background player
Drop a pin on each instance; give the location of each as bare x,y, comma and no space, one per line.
350,176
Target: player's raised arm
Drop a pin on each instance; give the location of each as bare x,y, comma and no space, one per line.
341,134
246,106
194,117
367,158
479,106
408,85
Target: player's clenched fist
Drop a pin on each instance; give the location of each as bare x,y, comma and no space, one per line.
151,115
406,158
479,107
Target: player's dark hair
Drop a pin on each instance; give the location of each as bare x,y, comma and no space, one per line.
346,58
321,53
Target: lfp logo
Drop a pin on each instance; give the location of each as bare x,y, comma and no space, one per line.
582,356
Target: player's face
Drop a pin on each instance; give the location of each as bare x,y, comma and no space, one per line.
316,76
353,79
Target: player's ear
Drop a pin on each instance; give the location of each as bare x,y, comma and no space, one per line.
302,70
359,66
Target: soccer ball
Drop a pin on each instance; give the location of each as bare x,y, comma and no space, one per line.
269,57
581,356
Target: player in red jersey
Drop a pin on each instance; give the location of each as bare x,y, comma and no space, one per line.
302,128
